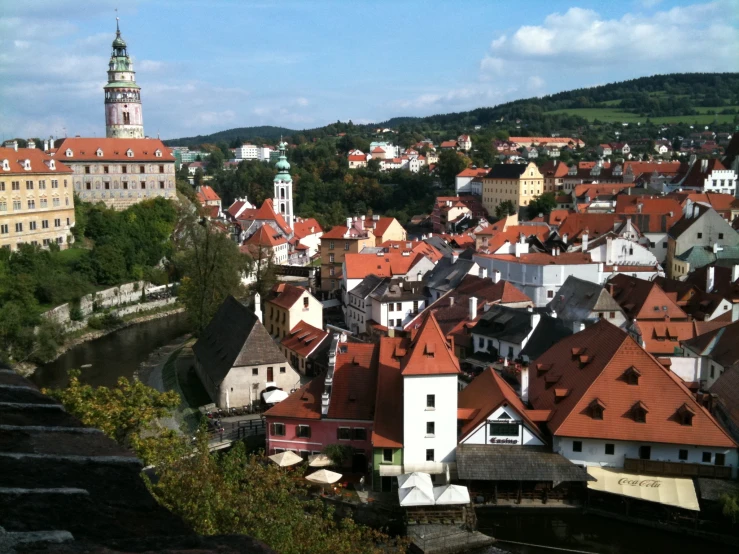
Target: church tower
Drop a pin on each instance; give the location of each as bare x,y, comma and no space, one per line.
283,201
123,117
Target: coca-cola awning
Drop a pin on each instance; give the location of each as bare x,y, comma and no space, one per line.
672,491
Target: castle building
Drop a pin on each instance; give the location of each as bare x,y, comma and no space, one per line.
283,201
123,116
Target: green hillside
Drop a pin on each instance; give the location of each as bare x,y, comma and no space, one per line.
239,134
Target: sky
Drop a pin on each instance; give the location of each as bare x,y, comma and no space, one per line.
210,65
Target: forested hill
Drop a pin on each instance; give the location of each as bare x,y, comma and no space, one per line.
701,98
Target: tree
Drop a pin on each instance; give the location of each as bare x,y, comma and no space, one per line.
212,267
505,209
109,264
451,163
126,413
542,204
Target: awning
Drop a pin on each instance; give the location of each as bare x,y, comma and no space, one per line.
670,491
274,396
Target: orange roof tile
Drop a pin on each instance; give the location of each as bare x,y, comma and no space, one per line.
596,224
304,227
641,299
266,236
430,352
387,430
355,382
304,403
287,295
473,172
611,354
662,337
303,339
114,149
536,258
39,160
358,266
205,194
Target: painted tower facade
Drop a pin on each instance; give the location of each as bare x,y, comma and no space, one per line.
123,116
283,200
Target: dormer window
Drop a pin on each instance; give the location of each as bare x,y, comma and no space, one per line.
27,165
99,153
685,413
596,409
129,153
631,376
639,412
6,165
52,165
158,153
68,153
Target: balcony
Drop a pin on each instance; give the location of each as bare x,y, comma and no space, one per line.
676,469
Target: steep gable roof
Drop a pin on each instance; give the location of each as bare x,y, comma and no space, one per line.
429,352
576,299
387,431
305,227
287,295
205,194
303,339
266,236
355,382
721,345
358,266
304,403
590,366
642,299
234,338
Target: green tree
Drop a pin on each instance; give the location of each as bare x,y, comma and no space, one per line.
109,264
504,209
542,204
451,163
212,267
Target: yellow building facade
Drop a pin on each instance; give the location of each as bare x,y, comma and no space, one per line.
36,199
519,183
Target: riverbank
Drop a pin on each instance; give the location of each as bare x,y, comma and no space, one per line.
86,335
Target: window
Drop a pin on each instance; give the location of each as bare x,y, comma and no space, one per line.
32,225
398,307
504,428
278,429
700,235
550,294
631,376
161,169
142,169
282,369
2,187
612,315
360,434
3,229
706,458
431,401
44,203
16,204
720,459
429,454
387,455
161,184
29,185
3,206
331,258
45,224
682,455
255,371
331,245
15,185
639,413
645,452
19,227
124,169
346,245
31,204
391,307
305,302
42,186
87,169
720,235
105,169
577,446
57,223
430,428
303,431
610,449
344,433
664,245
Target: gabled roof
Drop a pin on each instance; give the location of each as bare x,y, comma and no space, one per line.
505,324
549,331
114,149
358,266
429,352
340,231
235,338
267,237
484,395
355,382
304,403
590,366
662,337
506,171
387,431
721,345
447,274
596,224
40,162
642,299
205,194
722,279
287,295
685,223
540,258
473,172
577,298
367,286
237,207
487,290
303,339
696,174
305,227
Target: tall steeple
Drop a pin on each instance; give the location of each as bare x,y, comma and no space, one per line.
283,200
123,116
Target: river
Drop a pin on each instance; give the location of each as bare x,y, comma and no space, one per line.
118,354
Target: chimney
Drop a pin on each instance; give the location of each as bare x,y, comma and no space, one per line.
639,207
525,384
517,249
609,250
564,238
349,222
704,165
711,278
715,248
30,143
473,308
496,275
585,240
696,211
455,256
451,301
258,306
734,273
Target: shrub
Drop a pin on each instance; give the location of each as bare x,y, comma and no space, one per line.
105,321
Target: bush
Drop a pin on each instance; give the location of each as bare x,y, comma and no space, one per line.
75,312
339,453
105,321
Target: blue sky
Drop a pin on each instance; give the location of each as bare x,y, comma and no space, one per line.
211,65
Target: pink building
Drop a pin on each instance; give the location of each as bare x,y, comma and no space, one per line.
334,408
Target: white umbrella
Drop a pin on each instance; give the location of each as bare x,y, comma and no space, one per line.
451,494
415,479
323,477
319,460
287,458
275,396
415,496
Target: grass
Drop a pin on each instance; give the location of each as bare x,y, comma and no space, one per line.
615,115
71,255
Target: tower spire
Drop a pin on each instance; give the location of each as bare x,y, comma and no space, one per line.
123,117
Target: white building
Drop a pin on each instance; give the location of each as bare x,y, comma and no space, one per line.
247,152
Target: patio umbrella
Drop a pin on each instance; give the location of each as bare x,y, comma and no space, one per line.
319,460
451,494
287,458
323,477
415,479
275,396
415,496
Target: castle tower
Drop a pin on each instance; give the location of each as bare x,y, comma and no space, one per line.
283,201
123,117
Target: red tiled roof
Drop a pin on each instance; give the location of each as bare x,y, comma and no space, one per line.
642,299
473,172
304,403
430,352
488,291
358,266
592,190
416,247
234,208
287,295
591,366
210,211
449,144
596,224
39,160
536,258
355,382
303,339
387,430
665,168
338,232
662,337
206,194
85,149
302,227
556,217
358,157
485,394
266,236
695,176
626,204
